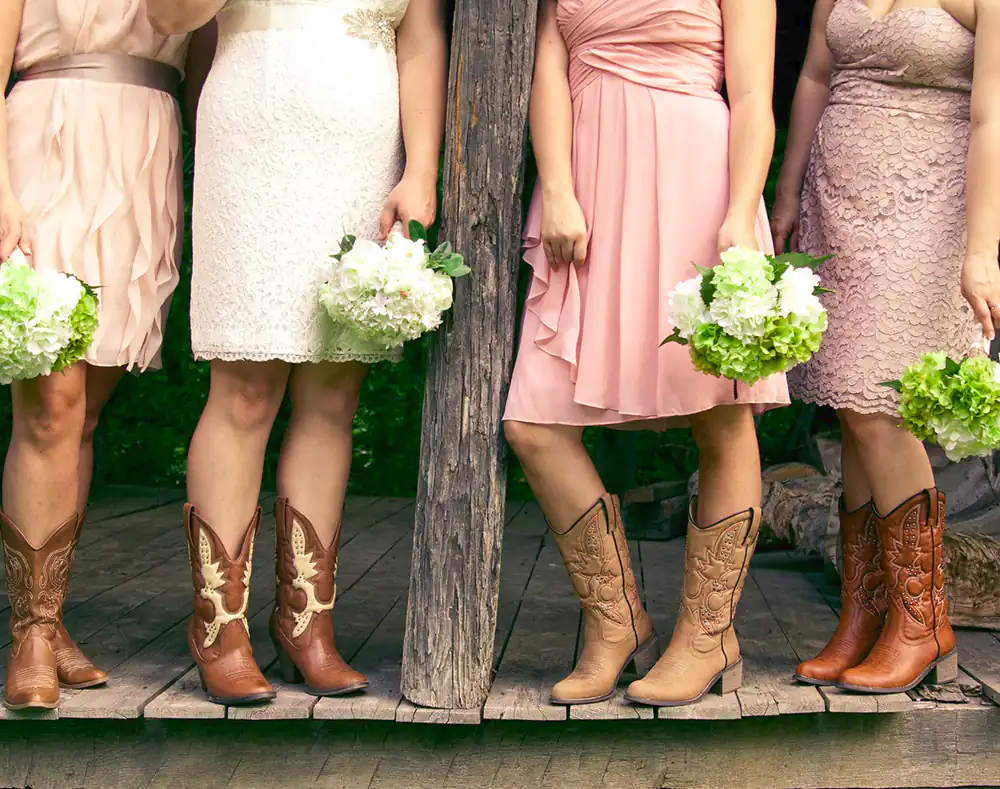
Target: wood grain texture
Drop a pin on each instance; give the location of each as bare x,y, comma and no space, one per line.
454,584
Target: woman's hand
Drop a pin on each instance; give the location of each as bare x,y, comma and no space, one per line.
14,230
785,224
413,199
564,229
738,232
981,288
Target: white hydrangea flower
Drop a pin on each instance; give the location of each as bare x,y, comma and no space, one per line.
797,295
687,309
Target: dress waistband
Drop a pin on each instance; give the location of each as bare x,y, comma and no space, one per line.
107,67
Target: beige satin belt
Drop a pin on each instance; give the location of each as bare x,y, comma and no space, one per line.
106,67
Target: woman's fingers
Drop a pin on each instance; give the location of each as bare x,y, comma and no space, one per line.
984,315
580,251
386,221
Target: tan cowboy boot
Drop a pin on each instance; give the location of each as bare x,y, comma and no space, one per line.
74,668
36,586
617,630
302,622
703,653
219,635
862,601
917,641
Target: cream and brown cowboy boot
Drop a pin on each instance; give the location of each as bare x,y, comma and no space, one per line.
36,586
617,630
219,634
74,668
302,622
703,653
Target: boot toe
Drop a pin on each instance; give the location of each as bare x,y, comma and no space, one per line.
817,672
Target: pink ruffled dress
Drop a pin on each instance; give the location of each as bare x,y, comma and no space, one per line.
651,172
97,166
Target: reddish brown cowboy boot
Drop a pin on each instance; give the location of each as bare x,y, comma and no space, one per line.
703,653
917,641
863,601
617,631
219,635
302,622
36,587
74,668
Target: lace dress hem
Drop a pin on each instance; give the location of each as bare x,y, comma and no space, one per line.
294,357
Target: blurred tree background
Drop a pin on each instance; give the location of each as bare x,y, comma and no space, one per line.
146,428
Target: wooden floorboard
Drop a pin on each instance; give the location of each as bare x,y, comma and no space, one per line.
129,609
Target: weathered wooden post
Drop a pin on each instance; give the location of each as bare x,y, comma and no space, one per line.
454,581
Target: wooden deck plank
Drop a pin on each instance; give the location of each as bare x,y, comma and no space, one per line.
541,647
979,655
808,625
768,662
616,708
663,574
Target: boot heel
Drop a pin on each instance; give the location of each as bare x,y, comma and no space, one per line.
731,679
646,656
289,671
945,671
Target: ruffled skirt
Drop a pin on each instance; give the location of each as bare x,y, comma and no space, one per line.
98,168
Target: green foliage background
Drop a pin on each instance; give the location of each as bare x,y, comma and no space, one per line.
146,428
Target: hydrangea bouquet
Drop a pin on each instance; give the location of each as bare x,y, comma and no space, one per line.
751,316
394,293
47,320
954,404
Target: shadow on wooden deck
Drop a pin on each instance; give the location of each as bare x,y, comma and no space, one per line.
130,599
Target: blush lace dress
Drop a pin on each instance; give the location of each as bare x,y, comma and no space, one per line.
885,194
299,144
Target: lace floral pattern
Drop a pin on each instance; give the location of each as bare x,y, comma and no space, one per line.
885,194
298,144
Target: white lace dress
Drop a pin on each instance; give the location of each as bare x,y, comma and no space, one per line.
298,144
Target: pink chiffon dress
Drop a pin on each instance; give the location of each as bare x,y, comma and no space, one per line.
95,161
651,173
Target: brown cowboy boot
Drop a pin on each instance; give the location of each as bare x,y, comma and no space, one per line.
36,586
302,622
74,668
617,630
917,641
862,601
703,653
219,635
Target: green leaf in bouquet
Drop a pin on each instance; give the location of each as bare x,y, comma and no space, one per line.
346,245
443,251
800,260
460,271
951,366
707,284
819,291
894,385
417,231
675,337
778,269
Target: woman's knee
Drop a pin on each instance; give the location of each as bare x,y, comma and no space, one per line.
717,431
867,430
50,411
327,393
249,394
528,440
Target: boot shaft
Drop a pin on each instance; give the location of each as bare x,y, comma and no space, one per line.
913,565
863,581
221,583
37,578
306,577
716,563
595,553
